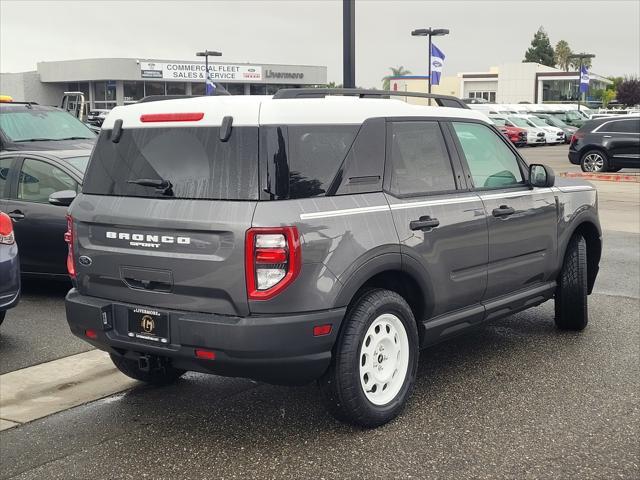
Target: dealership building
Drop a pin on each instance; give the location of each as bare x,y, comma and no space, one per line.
107,82
509,83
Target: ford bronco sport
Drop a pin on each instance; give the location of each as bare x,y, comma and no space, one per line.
290,239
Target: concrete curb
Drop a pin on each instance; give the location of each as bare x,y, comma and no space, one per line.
603,177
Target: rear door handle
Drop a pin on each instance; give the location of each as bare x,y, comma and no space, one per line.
16,215
424,223
503,211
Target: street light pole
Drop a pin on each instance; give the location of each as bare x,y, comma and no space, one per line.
430,32
348,44
581,56
206,54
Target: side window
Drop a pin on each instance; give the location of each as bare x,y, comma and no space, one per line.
419,159
491,162
38,180
5,165
622,126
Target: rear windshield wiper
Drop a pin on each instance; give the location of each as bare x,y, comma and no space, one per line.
164,186
34,140
75,138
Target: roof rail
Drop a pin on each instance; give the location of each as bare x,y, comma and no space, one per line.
441,100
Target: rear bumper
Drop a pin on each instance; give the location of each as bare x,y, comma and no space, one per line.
574,157
9,276
274,349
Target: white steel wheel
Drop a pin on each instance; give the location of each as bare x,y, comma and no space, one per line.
384,359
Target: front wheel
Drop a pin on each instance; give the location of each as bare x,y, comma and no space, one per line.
571,293
373,370
594,161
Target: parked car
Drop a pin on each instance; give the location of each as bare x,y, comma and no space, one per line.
96,117
9,266
552,135
556,122
535,135
315,238
38,187
517,135
28,126
570,117
607,144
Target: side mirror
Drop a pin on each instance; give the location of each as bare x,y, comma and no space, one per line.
541,176
62,198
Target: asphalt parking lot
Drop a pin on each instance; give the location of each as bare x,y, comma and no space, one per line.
514,399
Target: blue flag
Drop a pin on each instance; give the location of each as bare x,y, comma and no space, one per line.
584,80
210,87
437,62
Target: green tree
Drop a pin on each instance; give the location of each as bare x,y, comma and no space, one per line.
607,96
561,55
575,63
540,50
629,91
395,72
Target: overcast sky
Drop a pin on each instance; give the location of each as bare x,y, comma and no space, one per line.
310,32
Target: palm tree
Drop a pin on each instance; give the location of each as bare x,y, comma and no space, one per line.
395,72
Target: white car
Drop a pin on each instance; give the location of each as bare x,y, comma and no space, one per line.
552,134
535,135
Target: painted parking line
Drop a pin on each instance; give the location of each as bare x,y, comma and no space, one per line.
38,391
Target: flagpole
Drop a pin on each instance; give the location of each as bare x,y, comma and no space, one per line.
428,32
429,67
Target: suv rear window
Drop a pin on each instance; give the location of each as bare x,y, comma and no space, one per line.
196,162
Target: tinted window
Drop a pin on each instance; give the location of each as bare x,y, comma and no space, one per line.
22,126
419,159
79,163
5,163
491,162
194,160
38,180
631,125
301,161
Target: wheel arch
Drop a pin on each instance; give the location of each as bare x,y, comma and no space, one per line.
591,234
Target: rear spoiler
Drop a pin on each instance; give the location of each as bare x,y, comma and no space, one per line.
441,100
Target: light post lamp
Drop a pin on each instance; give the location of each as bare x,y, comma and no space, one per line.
206,54
430,32
582,57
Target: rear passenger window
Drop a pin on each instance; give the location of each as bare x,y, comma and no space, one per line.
419,159
623,126
491,162
38,180
5,164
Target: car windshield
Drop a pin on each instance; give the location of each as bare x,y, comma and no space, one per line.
499,121
556,122
79,163
519,122
571,115
538,122
34,124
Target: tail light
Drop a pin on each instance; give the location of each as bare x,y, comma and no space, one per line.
6,230
68,237
272,260
576,136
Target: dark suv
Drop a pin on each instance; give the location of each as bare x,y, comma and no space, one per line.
292,239
607,144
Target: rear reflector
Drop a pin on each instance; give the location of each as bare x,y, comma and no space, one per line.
172,117
205,354
320,330
91,334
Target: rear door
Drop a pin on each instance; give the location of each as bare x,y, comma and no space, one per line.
521,220
176,247
40,226
622,139
441,225
7,167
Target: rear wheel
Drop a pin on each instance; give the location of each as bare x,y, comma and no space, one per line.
594,161
571,293
374,367
159,371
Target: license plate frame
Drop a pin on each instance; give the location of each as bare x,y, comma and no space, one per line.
148,325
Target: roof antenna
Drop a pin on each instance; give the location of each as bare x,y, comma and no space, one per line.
116,133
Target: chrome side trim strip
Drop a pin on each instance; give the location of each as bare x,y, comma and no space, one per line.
341,213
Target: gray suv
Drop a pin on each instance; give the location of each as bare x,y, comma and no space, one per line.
290,239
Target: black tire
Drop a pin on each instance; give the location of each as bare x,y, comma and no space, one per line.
160,376
341,388
594,161
571,293
2,314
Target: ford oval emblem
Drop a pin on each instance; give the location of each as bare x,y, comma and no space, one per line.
85,261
